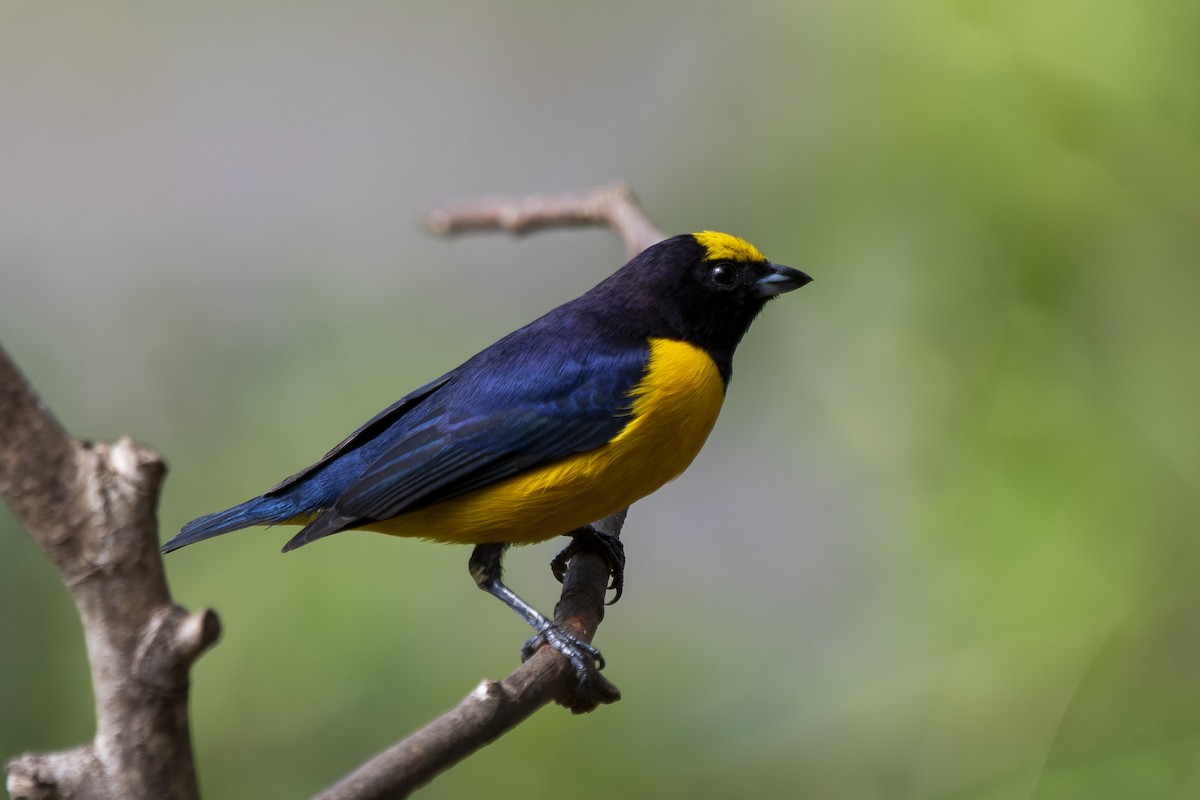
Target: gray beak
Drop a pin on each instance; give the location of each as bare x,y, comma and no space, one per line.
780,279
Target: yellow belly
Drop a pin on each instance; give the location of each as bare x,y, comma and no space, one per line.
674,408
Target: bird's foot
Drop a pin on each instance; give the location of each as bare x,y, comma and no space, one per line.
591,688
603,544
585,658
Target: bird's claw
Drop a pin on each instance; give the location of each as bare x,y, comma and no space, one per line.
585,658
603,544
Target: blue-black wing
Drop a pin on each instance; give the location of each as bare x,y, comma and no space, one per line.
515,406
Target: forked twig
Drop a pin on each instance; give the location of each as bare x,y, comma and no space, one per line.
613,206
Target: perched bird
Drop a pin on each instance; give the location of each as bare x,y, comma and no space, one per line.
563,422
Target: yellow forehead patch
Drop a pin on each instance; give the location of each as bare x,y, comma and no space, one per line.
722,246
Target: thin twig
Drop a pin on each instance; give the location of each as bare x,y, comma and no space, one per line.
613,206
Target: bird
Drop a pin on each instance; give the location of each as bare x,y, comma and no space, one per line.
565,421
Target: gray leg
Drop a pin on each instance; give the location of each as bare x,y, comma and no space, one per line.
486,569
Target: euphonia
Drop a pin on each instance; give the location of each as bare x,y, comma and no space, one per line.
561,423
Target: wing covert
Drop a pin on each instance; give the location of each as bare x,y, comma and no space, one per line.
477,432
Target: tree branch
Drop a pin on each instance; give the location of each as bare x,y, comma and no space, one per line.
494,708
92,510
613,206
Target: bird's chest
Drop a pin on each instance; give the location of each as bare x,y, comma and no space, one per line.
675,406
673,409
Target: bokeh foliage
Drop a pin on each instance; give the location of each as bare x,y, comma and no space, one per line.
943,542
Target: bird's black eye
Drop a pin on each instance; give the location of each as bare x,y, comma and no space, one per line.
723,273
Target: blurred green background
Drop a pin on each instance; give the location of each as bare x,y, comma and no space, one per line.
943,543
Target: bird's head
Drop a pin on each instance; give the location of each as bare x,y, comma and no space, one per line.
705,287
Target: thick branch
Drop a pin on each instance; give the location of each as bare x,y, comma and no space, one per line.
92,510
37,463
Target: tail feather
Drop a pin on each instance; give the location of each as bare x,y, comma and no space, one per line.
328,523
259,511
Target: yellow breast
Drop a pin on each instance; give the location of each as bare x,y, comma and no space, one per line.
675,406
